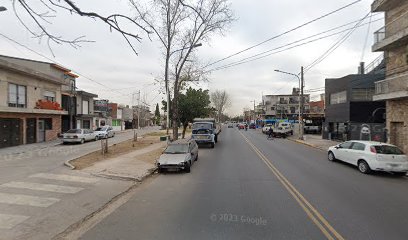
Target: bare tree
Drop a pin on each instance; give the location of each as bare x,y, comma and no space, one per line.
44,10
221,100
181,26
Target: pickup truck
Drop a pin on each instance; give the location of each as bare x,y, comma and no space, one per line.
205,130
283,129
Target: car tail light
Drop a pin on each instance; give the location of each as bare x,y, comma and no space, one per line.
372,149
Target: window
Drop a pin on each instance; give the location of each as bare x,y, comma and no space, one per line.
337,98
86,124
116,123
362,94
358,146
346,145
85,107
50,96
47,123
17,96
386,149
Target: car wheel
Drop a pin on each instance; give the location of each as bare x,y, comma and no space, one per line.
188,168
96,138
106,136
196,158
212,145
363,167
82,141
331,156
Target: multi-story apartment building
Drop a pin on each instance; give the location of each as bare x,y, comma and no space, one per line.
30,97
392,39
284,106
85,115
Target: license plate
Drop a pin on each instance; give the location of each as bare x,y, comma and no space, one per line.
202,137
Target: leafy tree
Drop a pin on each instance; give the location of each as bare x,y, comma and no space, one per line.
194,103
157,115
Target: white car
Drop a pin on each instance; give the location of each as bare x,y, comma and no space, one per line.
79,136
368,156
266,128
105,132
178,155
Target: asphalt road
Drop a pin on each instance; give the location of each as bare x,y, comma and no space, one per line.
252,188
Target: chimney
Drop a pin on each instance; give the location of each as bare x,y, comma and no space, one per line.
361,69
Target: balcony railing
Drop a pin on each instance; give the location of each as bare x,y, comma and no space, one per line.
390,85
379,35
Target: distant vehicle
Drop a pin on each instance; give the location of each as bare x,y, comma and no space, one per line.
252,126
104,132
230,125
205,130
241,126
265,129
368,156
79,136
283,129
178,155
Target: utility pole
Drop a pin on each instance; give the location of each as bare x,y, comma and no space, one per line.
138,110
302,103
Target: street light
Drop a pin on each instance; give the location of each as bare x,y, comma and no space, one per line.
300,98
167,85
3,9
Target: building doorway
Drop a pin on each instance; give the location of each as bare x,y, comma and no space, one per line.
10,132
31,130
41,131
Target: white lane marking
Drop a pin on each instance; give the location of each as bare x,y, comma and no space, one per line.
68,178
20,199
43,187
9,221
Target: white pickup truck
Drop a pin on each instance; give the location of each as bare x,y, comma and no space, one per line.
283,129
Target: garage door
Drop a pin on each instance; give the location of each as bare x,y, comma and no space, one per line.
10,132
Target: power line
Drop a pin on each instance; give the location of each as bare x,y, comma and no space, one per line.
284,33
55,62
273,51
334,46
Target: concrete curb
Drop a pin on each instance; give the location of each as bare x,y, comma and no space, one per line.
149,173
305,143
68,164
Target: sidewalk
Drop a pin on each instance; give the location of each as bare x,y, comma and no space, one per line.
315,141
133,166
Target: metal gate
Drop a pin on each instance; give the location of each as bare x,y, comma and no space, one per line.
10,132
31,130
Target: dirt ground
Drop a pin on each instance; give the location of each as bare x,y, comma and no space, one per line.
117,150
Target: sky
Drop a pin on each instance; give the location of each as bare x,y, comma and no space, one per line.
109,68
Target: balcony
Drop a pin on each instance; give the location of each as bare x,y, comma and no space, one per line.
383,5
389,37
391,88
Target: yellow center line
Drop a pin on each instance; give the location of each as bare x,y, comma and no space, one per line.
311,212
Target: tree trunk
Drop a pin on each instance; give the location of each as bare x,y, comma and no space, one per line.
175,115
184,129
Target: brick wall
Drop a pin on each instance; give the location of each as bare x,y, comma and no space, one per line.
49,134
397,111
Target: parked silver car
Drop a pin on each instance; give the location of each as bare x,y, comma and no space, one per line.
105,132
79,136
178,155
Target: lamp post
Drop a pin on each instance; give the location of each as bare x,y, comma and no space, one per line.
300,99
167,85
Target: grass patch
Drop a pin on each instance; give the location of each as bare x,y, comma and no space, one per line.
113,151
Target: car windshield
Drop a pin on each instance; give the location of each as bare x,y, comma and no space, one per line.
101,129
74,131
176,148
202,126
385,149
